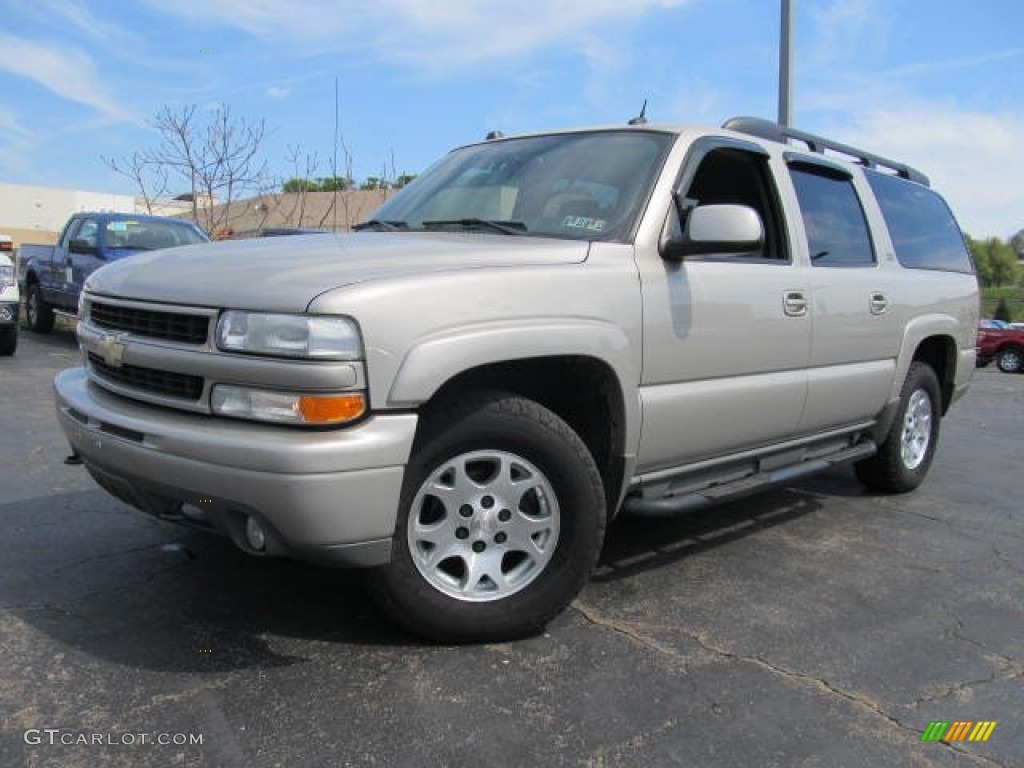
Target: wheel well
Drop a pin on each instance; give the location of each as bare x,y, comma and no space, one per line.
940,353
583,391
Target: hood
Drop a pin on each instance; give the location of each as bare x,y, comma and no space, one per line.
287,273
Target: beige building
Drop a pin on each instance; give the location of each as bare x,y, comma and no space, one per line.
315,210
31,214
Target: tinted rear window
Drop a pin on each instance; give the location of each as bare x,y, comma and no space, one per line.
923,230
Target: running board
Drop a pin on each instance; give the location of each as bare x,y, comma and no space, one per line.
671,506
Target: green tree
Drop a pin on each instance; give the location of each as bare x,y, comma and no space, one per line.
333,184
1004,262
293,186
1017,243
995,260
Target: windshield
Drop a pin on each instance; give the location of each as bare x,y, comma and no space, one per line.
587,186
150,234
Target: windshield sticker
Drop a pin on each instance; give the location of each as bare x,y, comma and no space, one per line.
118,226
582,222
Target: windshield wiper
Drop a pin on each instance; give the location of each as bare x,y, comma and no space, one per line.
505,227
379,225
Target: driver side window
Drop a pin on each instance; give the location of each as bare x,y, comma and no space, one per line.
88,232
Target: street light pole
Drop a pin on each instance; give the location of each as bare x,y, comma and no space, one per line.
786,65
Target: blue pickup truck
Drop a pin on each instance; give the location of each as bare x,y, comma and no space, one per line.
51,276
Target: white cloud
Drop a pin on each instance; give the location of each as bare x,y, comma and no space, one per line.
70,13
434,37
279,91
972,157
63,70
16,143
843,30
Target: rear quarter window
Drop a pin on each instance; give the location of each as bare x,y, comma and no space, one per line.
923,230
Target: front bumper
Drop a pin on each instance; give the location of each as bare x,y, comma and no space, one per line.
322,496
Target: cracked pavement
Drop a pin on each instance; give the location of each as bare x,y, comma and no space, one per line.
814,625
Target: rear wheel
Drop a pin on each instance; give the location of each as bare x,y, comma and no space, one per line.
501,521
905,455
38,314
1010,359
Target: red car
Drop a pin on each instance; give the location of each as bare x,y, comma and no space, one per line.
1002,343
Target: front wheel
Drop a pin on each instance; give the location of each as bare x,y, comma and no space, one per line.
38,314
905,455
501,521
1010,359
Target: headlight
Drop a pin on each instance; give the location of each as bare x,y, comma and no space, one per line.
286,407
315,337
6,277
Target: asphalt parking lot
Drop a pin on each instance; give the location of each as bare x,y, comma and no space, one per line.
811,626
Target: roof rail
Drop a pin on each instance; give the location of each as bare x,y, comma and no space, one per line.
766,129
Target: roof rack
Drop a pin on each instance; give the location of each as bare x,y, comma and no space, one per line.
766,129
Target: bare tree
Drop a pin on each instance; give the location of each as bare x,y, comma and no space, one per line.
217,160
149,179
309,173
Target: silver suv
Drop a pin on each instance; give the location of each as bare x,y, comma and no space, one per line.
537,334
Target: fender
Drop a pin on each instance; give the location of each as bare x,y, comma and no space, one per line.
930,326
428,365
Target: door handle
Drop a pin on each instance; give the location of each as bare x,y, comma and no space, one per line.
794,303
878,303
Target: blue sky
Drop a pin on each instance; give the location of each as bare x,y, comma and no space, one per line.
936,83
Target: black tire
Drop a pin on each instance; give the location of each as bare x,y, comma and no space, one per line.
8,340
1010,359
904,457
519,484
38,314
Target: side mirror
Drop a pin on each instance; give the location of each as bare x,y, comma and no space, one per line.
714,229
82,246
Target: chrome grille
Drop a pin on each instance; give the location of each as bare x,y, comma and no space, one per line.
151,380
175,326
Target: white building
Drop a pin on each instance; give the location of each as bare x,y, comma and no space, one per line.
31,214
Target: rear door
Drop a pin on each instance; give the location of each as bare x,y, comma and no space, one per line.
855,325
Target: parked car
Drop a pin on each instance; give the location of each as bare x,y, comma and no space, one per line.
1003,343
51,276
8,299
533,336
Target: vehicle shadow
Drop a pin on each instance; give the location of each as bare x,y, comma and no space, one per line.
637,544
95,576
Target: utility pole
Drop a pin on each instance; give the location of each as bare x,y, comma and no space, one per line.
786,65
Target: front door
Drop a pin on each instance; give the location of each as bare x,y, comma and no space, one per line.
726,336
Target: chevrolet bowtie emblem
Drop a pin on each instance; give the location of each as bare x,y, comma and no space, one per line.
112,349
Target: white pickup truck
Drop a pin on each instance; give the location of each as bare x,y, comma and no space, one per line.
537,334
9,298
